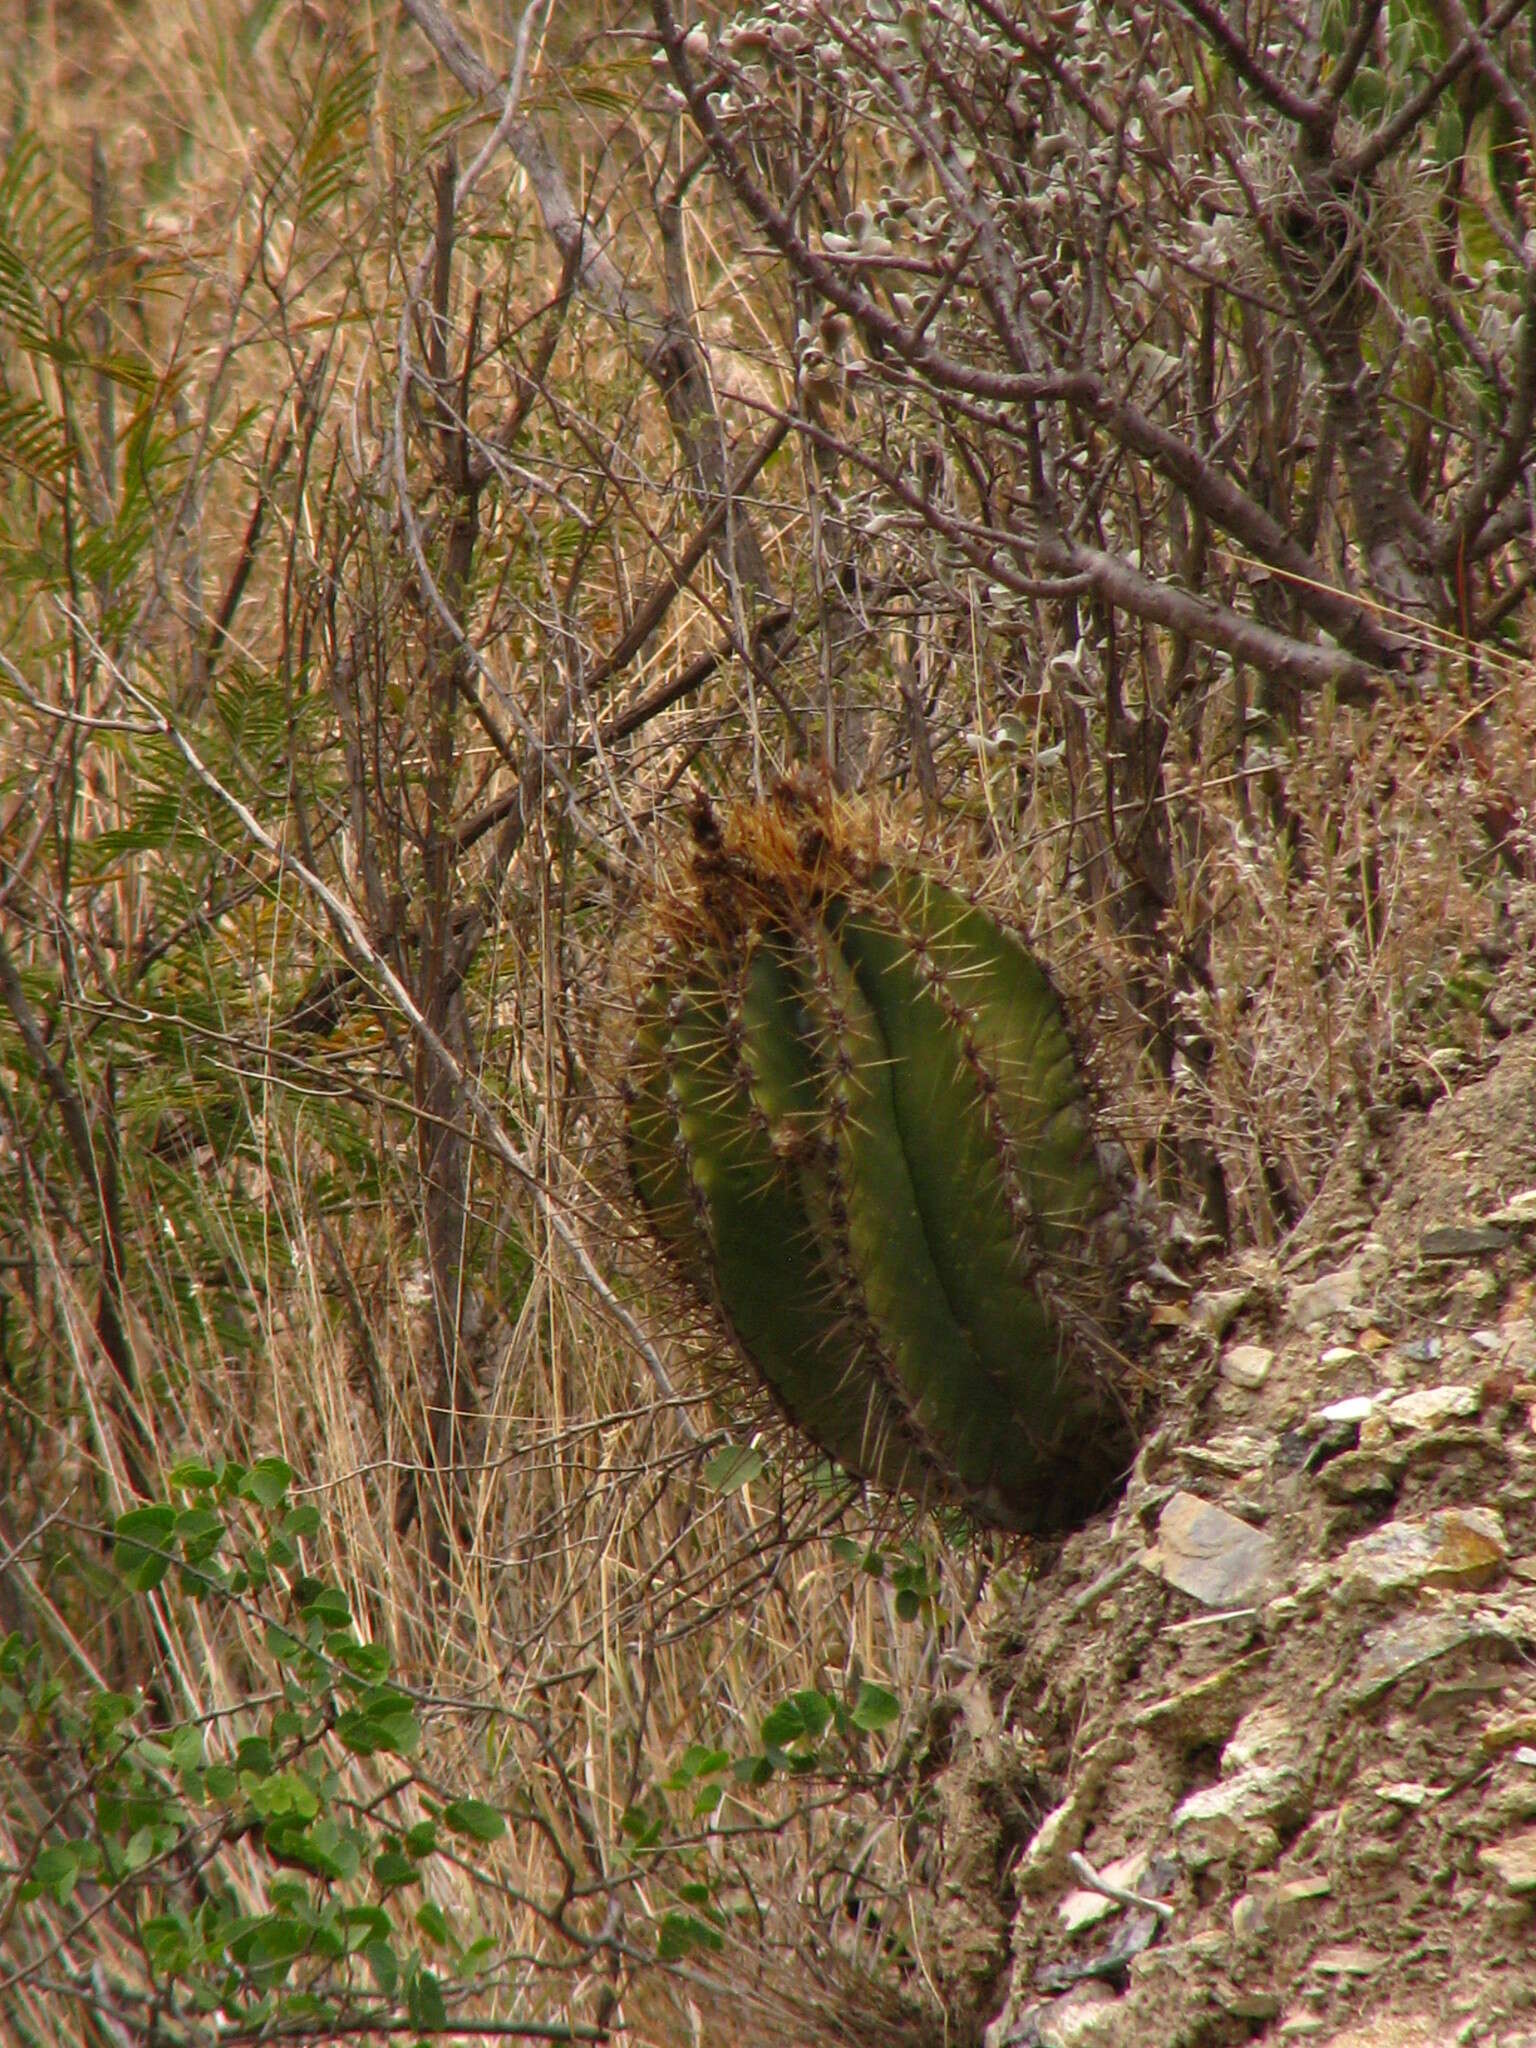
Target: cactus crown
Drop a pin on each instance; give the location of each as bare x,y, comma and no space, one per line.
856,1122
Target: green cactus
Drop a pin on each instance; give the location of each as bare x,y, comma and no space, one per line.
857,1125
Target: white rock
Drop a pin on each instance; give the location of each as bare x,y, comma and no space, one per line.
1353,1408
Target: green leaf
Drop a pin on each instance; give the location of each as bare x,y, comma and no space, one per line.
380,1958
324,1603
424,2002
384,1720
875,1708
267,1481
141,1550
474,1818
643,1829
56,1871
803,1717
685,1934
199,1532
733,1468
191,1476
433,1923
696,1762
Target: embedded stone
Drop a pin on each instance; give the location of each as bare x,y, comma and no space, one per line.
1512,1861
1209,1554
1433,1407
1247,1365
1456,1547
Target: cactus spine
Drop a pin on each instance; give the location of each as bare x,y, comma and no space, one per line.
857,1125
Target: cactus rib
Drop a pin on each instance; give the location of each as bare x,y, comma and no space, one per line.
771,1284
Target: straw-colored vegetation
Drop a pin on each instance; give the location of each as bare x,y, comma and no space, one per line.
406,498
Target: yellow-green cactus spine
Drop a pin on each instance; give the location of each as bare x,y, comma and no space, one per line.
857,1125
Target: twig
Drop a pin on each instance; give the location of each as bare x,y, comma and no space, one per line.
1082,1869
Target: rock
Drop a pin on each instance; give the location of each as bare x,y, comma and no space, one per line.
1513,1862
1394,2031
1247,1365
1271,1910
1362,1475
1088,2013
1517,1213
1351,1411
1248,2005
1205,1711
1320,1300
1433,1407
1348,1959
1407,1793
1394,1652
1462,1241
1230,1822
1234,1453
1214,1310
1424,1351
1340,1354
1209,1554
1456,1547
1264,1736
1263,1787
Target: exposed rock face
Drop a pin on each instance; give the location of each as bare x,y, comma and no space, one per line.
1291,1681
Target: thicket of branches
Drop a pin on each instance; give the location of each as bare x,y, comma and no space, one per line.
425,454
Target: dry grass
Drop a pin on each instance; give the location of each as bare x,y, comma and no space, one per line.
602,1606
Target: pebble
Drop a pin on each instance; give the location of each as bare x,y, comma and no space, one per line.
1354,1408
1340,1354
1247,1365
1273,1909
1319,1300
1405,1792
1433,1407
1513,1861
1209,1554
1456,1547
1348,1959
1217,1309
1424,1350
1517,1212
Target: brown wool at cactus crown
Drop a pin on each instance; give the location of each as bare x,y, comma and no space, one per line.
858,1129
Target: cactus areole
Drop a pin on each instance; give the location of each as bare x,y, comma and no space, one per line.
856,1124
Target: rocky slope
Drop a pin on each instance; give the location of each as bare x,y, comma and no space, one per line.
1283,1701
